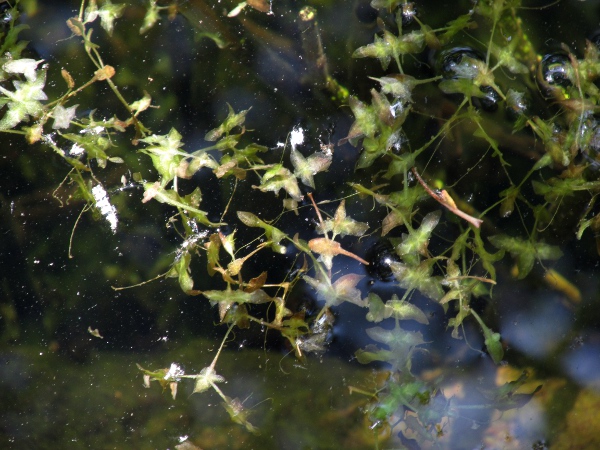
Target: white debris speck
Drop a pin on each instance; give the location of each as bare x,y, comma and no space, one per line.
296,136
76,150
96,130
183,438
175,372
104,206
49,138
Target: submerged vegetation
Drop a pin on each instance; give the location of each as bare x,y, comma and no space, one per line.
423,138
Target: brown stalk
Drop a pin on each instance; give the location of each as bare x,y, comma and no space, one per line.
444,198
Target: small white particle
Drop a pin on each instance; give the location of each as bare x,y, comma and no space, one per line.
175,372
76,150
296,137
106,209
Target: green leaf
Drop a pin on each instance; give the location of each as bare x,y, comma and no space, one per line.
480,132
170,197
399,309
365,120
381,48
417,240
229,296
556,188
275,235
151,17
181,270
525,252
505,397
238,413
233,120
400,165
492,340
508,203
94,144
11,43
108,13
401,344
487,259
399,86
373,148
456,26
506,57
277,178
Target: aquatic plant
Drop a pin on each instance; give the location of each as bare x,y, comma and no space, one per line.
397,159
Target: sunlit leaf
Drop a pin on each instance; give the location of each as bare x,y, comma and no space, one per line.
206,379
25,66
165,153
419,278
108,13
328,248
238,413
342,290
399,86
63,116
306,168
25,101
342,225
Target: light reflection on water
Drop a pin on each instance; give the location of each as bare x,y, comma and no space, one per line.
537,328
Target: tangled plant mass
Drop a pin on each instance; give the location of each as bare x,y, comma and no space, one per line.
476,65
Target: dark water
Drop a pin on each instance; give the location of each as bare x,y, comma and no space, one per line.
61,387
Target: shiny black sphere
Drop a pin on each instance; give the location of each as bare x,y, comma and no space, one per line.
489,102
555,68
447,61
380,257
